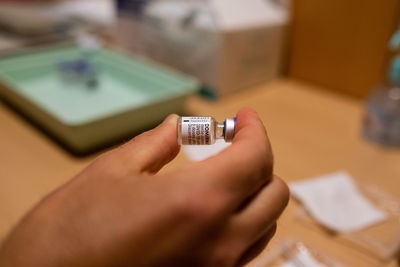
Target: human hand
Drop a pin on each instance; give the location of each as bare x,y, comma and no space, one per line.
118,212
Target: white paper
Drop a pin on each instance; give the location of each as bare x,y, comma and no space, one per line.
303,259
197,153
335,201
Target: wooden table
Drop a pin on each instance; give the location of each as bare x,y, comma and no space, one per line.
312,131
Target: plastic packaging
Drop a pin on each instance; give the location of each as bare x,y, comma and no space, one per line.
293,253
382,240
382,121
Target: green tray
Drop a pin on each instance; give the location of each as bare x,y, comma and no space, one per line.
132,94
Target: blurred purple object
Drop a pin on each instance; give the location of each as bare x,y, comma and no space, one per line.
135,6
79,71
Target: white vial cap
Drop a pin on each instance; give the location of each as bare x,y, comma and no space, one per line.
229,129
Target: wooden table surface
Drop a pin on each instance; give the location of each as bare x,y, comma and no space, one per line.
312,131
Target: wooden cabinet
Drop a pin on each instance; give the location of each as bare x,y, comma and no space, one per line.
342,44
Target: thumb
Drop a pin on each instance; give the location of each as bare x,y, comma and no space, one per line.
151,150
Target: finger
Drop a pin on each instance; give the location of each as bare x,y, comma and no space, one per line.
151,150
262,212
257,247
246,165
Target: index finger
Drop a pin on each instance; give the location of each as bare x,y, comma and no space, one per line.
245,166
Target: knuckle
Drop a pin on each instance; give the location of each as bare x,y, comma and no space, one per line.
225,255
223,260
102,163
200,206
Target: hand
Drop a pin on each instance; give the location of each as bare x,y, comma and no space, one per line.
118,212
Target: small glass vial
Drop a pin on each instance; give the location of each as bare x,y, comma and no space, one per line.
382,120
204,130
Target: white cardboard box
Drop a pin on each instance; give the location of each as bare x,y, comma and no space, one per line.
229,44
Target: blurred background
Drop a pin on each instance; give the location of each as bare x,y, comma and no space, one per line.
80,75
217,47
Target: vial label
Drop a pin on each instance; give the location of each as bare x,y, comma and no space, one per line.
196,130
